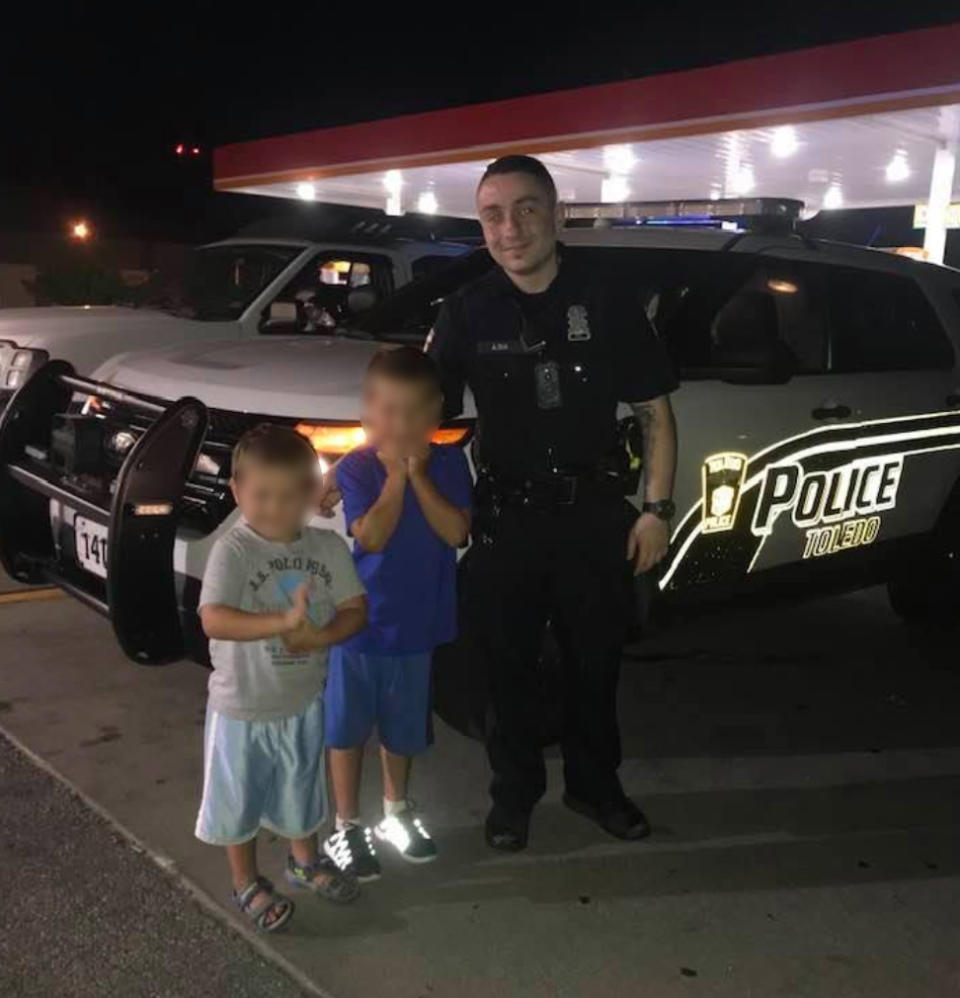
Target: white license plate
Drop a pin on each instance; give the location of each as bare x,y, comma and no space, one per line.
91,541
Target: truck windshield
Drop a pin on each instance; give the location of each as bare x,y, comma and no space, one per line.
407,315
221,281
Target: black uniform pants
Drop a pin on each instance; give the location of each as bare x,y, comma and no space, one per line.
566,565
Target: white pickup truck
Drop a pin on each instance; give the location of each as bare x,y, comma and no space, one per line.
243,289
818,417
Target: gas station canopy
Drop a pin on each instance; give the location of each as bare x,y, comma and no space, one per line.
867,123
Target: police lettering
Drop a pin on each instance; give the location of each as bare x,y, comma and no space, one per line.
864,486
840,536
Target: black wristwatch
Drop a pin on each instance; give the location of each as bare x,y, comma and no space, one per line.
664,508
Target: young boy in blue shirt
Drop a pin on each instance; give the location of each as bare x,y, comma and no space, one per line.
407,504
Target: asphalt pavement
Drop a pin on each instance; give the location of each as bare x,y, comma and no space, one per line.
85,914
800,766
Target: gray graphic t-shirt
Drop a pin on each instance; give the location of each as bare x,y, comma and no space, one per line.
261,680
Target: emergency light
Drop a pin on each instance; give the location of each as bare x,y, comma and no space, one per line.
766,214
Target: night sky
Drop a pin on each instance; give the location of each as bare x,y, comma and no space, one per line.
95,97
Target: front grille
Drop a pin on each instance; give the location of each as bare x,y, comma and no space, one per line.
207,499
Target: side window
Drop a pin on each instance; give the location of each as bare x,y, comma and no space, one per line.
713,310
883,322
426,266
779,300
319,297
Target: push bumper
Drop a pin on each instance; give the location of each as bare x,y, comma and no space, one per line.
137,504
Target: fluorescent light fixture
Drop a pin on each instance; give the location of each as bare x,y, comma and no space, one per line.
833,198
393,181
306,191
898,168
784,141
744,181
614,188
427,203
619,159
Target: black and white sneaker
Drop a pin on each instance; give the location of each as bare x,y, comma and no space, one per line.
405,832
353,852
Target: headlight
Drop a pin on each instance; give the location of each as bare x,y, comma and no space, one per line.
17,364
332,440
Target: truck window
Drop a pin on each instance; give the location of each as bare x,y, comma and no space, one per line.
883,322
316,299
221,280
425,266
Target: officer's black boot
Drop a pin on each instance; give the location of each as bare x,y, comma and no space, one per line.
619,817
506,830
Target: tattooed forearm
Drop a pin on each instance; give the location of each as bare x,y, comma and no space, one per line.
659,433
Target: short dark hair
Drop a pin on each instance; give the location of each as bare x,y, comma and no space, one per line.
275,446
522,164
407,364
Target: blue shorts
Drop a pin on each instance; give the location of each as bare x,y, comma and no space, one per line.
262,773
388,692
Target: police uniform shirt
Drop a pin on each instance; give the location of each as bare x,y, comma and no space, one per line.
548,370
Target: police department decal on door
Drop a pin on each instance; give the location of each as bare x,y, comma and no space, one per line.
722,483
832,503
820,493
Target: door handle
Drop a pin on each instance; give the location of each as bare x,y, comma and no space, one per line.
831,410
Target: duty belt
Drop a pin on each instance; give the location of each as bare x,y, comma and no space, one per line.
545,491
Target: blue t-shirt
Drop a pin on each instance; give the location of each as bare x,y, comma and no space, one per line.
411,584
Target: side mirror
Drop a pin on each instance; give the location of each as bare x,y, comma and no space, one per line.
280,316
361,300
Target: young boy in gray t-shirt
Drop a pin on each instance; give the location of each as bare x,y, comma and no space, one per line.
276,594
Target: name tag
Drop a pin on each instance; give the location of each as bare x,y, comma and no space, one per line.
507,347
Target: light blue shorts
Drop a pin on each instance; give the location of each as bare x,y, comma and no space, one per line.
262,773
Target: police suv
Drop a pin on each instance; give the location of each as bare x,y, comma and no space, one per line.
818,416
271,279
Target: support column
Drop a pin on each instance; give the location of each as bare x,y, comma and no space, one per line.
941,187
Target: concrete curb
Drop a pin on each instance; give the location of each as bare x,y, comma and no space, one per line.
169,867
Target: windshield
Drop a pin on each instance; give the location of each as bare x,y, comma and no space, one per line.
407,315
221,281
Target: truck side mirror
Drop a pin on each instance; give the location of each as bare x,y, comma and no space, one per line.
280,316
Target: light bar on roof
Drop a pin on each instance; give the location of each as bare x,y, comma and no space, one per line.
785,209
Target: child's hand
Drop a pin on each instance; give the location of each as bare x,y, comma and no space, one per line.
392,460
417,460
299,612
302,638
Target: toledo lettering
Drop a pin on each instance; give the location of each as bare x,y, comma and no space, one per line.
838,509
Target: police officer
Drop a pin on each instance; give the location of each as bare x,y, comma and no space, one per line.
549,346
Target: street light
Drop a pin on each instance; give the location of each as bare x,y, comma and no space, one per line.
81,230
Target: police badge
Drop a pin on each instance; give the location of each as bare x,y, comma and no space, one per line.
722,482
578,326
